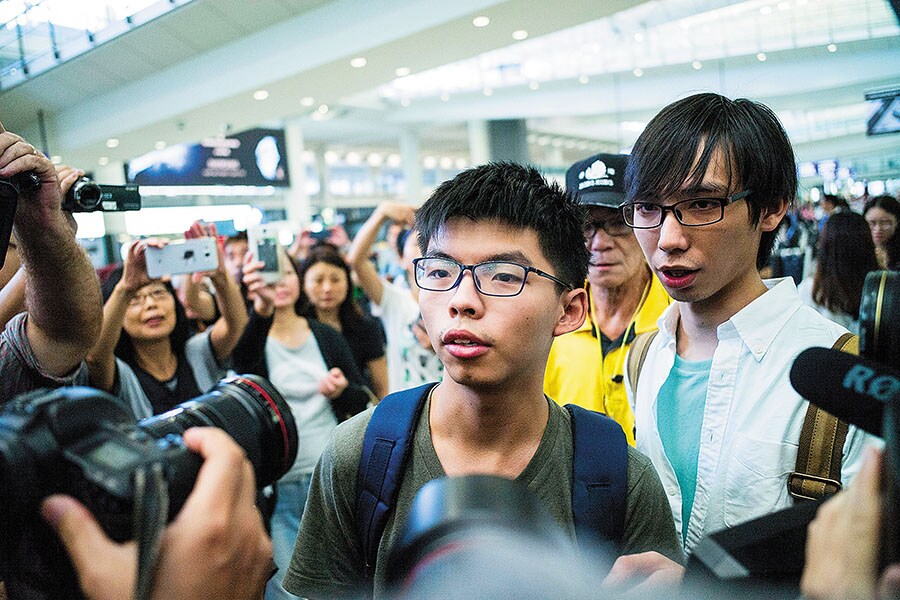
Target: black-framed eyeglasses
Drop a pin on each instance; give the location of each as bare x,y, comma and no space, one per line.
615,226
693,212
492,278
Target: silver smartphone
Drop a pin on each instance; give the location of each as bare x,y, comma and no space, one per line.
188,256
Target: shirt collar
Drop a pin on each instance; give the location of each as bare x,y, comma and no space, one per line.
757,324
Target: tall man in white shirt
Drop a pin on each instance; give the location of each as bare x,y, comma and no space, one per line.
708,183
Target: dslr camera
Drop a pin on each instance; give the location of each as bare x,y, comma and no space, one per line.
86,195
83,442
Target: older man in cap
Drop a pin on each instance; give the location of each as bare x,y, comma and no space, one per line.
586,366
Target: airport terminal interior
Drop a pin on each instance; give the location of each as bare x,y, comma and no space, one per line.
341,104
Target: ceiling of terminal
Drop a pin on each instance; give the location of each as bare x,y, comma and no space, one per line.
587,75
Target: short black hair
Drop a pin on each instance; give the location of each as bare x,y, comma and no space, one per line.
888,204
680,142
518,196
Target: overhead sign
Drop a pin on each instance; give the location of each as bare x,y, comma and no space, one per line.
257,157
885,116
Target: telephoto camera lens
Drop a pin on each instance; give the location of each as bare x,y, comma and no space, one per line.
250,410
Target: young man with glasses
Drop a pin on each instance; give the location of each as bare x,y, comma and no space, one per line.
586,366
501,274
708,183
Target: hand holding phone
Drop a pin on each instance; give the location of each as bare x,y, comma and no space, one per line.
264,247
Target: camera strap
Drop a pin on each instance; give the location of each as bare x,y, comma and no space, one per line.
151,507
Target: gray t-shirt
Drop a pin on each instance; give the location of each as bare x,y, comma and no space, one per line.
328,558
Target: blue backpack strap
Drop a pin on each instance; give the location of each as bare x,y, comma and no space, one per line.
385,447
600,475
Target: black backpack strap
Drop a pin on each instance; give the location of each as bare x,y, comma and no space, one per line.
385,448
600,475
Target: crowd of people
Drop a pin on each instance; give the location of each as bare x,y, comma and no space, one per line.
507,298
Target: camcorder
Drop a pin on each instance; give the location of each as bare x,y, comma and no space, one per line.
84,442
10,188
86,195
861,390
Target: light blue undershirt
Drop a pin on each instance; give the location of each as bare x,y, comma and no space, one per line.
679,414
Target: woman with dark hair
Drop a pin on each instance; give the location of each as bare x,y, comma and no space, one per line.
883,215
846,255
326,295
313,367
146,353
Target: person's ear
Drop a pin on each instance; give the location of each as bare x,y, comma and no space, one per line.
771,218
574,305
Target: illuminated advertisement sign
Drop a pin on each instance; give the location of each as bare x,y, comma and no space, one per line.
256,157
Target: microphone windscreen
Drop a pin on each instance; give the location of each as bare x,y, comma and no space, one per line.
851,388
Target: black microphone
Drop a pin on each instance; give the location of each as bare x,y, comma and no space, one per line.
851,388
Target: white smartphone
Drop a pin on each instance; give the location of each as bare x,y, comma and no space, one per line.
188,256
264,246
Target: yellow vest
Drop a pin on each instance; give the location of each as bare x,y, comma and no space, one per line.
577,372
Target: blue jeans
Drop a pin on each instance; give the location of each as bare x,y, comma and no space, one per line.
285,525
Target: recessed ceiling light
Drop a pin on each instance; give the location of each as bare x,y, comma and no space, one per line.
358,63
637,72
766,10
353,158
307,101
429,162
534,85
103,161
446,163
761,57
831,47
402,71
374,159
323,108
160,145
112,143
487,92
394,160
639,37
697,65
481,21
519,34
583,79
330,157
260,95
404,102
445,97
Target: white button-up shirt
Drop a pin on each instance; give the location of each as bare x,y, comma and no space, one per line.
753,417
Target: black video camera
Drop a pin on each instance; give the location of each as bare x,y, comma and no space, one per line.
86,195
10,188
84,443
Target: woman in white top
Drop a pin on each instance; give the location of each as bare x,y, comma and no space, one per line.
846,255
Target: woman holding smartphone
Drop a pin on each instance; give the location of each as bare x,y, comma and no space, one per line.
313,367
146,353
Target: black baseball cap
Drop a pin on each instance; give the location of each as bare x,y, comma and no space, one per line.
598,180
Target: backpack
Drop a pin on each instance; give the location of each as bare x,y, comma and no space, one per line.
599,483
817,472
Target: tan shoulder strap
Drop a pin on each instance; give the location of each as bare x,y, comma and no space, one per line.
817,473
636,356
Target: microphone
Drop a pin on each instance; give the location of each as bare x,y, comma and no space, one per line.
851,388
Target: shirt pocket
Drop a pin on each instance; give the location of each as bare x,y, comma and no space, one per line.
756,480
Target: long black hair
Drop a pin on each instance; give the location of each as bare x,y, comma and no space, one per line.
890,205
846,255
349,312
